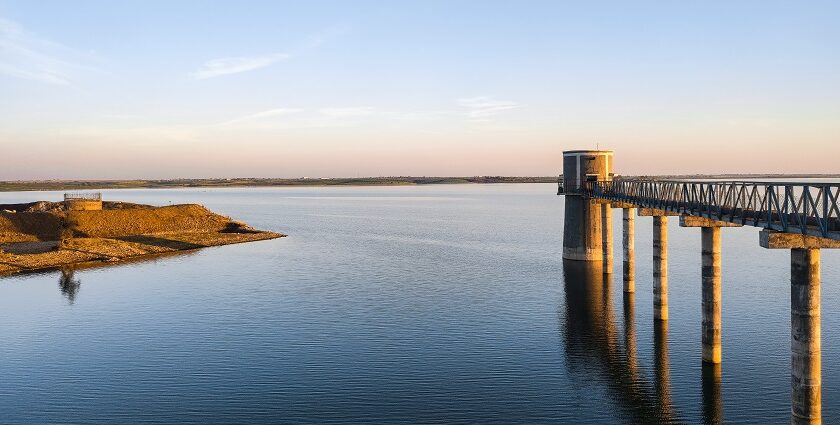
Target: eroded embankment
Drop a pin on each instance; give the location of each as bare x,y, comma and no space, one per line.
47,237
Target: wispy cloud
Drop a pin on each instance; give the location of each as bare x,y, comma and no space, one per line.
26,55
484,107
263,114
354,112
322,37
235,65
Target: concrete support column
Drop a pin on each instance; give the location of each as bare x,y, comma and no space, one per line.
628,238
711,294
607,237
660,267
710,283
805,368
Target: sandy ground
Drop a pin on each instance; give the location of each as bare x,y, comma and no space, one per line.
31,256
29,233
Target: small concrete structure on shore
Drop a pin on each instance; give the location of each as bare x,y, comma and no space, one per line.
83,201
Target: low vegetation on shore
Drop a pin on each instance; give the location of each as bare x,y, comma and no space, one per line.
43,235
9,186
13,186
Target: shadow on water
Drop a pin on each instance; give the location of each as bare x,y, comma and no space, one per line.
593,345
161,242
69,285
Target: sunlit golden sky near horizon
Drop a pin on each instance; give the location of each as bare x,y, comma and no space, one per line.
153,89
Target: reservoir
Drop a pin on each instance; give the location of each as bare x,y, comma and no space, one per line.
404,304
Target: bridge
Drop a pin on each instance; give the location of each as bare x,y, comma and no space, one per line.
801,217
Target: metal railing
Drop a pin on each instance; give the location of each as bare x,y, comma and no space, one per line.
805,208
89,196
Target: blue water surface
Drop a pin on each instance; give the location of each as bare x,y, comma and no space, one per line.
422,304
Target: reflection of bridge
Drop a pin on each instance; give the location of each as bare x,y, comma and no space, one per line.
803,218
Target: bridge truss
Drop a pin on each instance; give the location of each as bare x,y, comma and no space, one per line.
806,208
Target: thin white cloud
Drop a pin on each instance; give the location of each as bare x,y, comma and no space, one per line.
483,107
43,75
264,114
354,112
322,37
28,56
235,65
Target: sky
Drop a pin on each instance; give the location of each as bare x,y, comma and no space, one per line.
195,89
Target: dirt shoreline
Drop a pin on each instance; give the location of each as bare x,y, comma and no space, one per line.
38,240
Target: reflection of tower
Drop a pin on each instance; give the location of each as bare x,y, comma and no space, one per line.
712,399
582,233
591,338
68,285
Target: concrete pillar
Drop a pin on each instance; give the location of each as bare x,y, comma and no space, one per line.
806,381
805,366
710,283
607,237
660,267
628,238
711,294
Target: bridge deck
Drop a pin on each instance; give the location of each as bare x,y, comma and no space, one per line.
801,208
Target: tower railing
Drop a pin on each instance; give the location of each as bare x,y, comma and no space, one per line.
83,196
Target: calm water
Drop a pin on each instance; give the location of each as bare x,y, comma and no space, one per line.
400,305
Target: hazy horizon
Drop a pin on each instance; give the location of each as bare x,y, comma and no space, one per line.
161,90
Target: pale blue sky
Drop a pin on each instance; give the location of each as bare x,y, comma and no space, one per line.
150,89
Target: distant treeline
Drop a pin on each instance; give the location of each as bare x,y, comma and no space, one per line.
9,186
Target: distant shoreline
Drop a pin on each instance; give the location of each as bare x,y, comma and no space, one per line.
39,185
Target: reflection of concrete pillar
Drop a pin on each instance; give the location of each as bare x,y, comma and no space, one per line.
711,294
607,237
630,333
806,382
661,366
660,267
628,238
712,399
